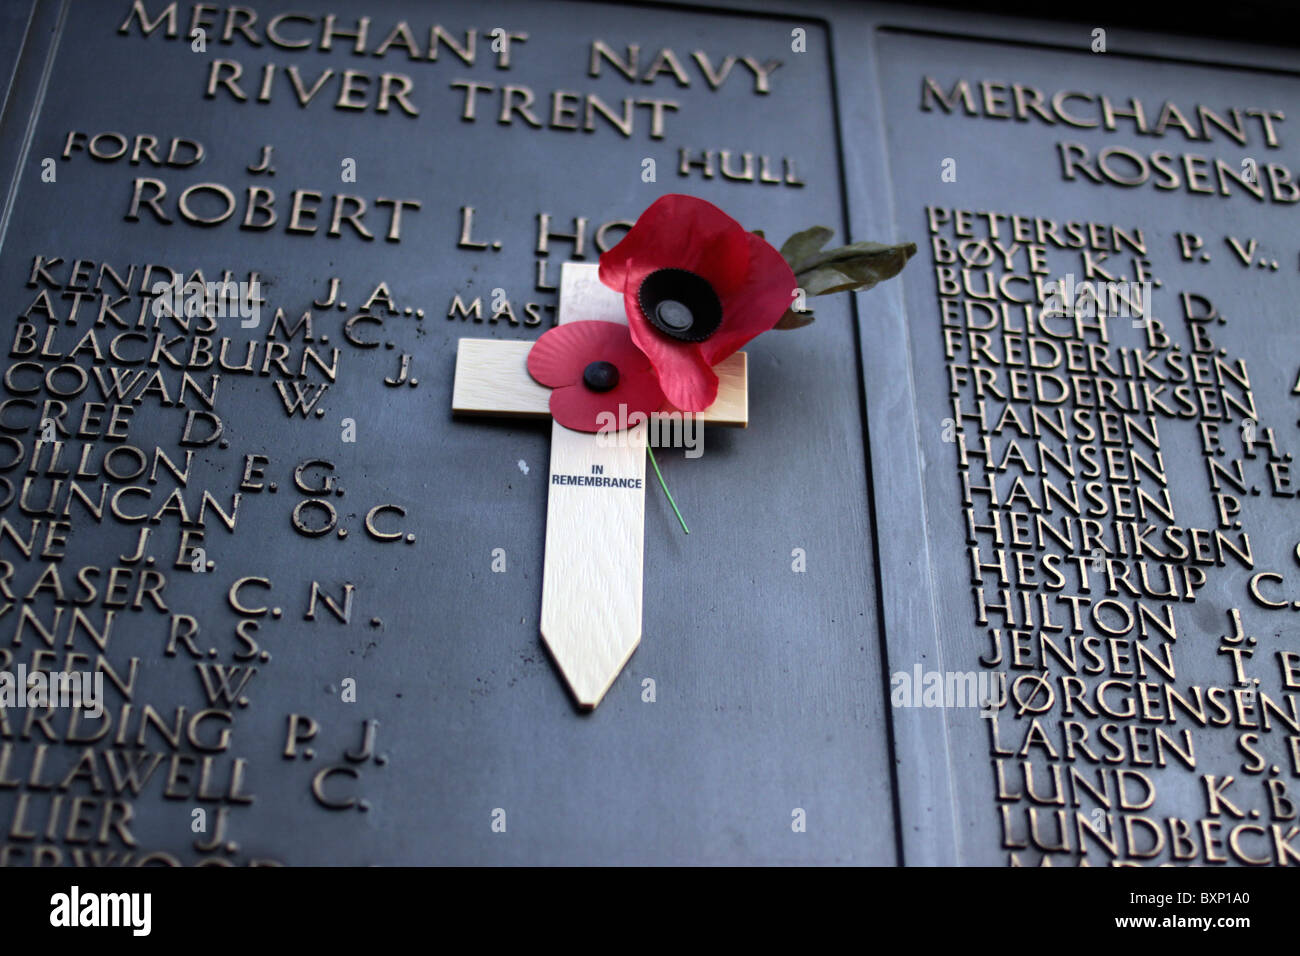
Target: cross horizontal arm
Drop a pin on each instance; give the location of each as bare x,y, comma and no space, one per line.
492,379
591,578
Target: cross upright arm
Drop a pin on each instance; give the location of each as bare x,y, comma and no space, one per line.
591,580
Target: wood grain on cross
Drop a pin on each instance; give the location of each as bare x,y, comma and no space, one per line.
591,579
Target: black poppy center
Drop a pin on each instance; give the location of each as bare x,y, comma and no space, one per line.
600,376
680,304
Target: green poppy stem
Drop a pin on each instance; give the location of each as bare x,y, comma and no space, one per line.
662,485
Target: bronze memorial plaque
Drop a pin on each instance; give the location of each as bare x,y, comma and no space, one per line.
1003,569
310,589
1103,348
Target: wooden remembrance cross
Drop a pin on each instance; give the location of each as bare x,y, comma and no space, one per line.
591,577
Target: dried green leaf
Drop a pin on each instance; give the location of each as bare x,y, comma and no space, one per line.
824,280
854,267
805,245
794,320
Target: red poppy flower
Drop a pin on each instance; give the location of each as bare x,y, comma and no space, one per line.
593,368
696,286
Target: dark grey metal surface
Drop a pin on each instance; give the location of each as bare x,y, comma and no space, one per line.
770,685
1014,168
769,692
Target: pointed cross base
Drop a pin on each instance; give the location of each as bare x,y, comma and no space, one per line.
591,580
